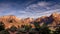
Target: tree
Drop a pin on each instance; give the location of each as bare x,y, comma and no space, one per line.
44,29
2,26
57,31
37,26
27,27
4,32
13,28
20,29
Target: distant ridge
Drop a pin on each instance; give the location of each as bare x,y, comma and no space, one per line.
52,20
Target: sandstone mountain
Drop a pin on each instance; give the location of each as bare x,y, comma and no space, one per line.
52,20
11,20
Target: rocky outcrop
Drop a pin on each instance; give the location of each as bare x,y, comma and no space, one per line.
9,20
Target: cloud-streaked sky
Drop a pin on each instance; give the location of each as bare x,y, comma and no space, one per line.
29,8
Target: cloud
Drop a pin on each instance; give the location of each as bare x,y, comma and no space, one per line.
9,8
43,4
26,9
42,8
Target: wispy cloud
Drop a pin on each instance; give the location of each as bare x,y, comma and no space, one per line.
43,8
29,9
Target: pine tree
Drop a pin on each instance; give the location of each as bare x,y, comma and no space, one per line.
57,31
44,29
37,26
4,32
13,28
2,26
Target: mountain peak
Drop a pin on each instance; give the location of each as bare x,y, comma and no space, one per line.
55,14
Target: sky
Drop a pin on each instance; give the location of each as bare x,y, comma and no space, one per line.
29,8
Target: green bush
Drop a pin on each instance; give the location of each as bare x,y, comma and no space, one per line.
2,26
57,31
13,29
4,32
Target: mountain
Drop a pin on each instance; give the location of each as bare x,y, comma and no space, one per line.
51,21
28,20
56,19
10,20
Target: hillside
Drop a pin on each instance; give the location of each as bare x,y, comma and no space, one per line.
52,20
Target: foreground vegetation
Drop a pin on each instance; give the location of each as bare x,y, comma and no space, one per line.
27,29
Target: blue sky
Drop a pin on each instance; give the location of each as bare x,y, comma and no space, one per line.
29,8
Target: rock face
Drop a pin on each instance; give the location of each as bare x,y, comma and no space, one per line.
28,20
52,21
9,20
56,18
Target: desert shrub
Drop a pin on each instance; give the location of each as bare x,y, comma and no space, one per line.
13,29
